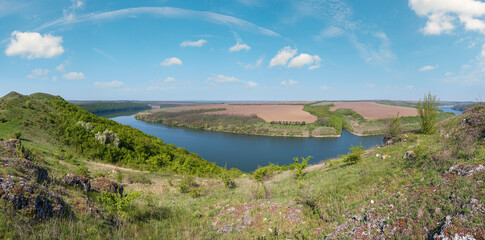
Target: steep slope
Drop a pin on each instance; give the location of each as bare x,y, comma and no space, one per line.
51,124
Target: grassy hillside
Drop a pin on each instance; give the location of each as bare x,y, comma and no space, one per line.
422,186
51,124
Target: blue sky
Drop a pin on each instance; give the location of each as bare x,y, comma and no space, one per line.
244,50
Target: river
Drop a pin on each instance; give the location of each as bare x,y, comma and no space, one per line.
246,152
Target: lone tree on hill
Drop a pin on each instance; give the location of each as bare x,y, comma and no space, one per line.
428,112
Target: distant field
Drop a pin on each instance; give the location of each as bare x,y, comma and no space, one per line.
266,111
372,110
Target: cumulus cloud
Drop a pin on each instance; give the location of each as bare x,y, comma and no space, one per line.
427,68
283,56
288,83
34,45
223,79
171,61
257,64
238,47
443,15
198,43
61,68
304,59
74,76
112,84
251,84
39,72
168,80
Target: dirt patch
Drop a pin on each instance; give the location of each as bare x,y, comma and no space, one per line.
372,110
267,112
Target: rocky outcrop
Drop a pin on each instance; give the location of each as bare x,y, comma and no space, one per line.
106,185
31,198
465,170
78,181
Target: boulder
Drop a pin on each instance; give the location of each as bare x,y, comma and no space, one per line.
409,155
31,197
79,181
106,185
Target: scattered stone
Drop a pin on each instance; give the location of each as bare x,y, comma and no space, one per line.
465,170
106,185
409,155
79,181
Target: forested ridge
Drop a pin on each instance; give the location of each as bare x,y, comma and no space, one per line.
96,138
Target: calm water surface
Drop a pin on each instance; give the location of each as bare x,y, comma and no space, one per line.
448,109
246,152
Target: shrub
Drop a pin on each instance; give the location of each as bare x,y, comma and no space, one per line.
189,185
354,156
116,203
262,174
228,181
83,171
428,112
299,167
28,104
395,128
119,177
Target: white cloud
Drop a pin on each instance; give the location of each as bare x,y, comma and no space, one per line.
112,84
325,88
169,80
33,45
283,56
61,68
223,79
304,59
441,14
171,61
251,84
39,72
427,68
330,32
448,74
238,47
198,43
370,85
167,12
289,82
74,76
482,54
257,64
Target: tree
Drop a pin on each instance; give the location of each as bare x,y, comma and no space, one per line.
428,112
394,128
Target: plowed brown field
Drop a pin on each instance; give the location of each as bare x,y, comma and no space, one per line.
267,112
372,110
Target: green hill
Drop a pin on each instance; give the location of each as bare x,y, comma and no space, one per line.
419,187
49,123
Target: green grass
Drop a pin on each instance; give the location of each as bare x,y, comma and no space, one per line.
328,194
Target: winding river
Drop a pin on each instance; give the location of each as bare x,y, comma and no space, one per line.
246,152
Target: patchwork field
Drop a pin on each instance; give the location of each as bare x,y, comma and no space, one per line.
372,110
268,112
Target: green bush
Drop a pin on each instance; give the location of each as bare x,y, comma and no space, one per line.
428,112
119,177
228,181
83,171
116,203
395,128
189,185
354,156
299,167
